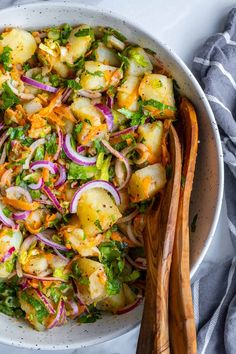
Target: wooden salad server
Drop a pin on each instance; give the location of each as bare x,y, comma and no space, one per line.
181,317
158,240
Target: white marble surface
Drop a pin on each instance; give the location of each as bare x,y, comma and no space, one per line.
183,25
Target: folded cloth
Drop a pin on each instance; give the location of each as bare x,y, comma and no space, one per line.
214,295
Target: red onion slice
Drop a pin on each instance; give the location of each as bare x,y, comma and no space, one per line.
2,125
38,185
17,192
4,219
73,308
124,131
44,164
53,198
62,176
45,301
130,307
4,154
36,277
131,236
109,187
110,101
107,114
121,158
33,147
135,264
8,254
3,138
59,313
37,84
74,156
60,143
51,243
60,255
80,149
21,215
128,217
66,95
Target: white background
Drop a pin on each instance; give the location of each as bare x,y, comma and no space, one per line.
183,25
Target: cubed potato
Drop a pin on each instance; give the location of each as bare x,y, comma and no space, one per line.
146,182
21,42
60,68
96,76
85,111
78,46
113,302
97,211
150,135
8,240
127,96
160,89
139,62
106,55
94,271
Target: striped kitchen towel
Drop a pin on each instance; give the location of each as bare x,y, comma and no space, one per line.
214,295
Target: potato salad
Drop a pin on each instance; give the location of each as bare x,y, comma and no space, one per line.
84,116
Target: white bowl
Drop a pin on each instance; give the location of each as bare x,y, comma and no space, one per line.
208,185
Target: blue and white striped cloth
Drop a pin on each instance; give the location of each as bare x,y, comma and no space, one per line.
214,295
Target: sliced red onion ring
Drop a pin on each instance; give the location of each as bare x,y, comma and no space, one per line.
52,167
38,185
60,255
45,301
17,192
128,217
30,276
24,284
2,125
62,176
107,114
124,131
53,198
8,254
74,156
51,243
21,215
4,154
131,236
33,147
37,84
73,308
3,138
129,307
140,147
110,101
90,185
60,143
4,219
135,264
59,313
89,93
66,95
80,149
121,158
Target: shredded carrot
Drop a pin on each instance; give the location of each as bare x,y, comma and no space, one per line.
65,112
56,100
34,283
6,177
93,132
45,174
115,236
32,230
49,219
20,204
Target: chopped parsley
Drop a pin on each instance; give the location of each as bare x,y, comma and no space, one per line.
78,128
5,58
83,32
73,84
51,144
80,172
8,98
98,224
117,34
137,118
158,105
65,33
92,316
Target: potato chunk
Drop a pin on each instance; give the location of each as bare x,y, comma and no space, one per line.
96,76
78,46
150,135
106,55
127,96
158,88
146,182
139,62
95,289
21,42
97,211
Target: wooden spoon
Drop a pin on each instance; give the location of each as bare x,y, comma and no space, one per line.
159,239
182,325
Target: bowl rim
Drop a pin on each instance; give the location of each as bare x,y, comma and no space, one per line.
165,47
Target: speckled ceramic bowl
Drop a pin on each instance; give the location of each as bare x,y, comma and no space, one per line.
208,185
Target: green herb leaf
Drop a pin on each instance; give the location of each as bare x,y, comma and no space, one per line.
117,34
51,144
83,32
78,128
39,153
5,58
73,84
159,105
97,223
80,172
137,118
65,33
9,99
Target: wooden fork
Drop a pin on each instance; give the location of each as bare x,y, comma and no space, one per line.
159,239
181,318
